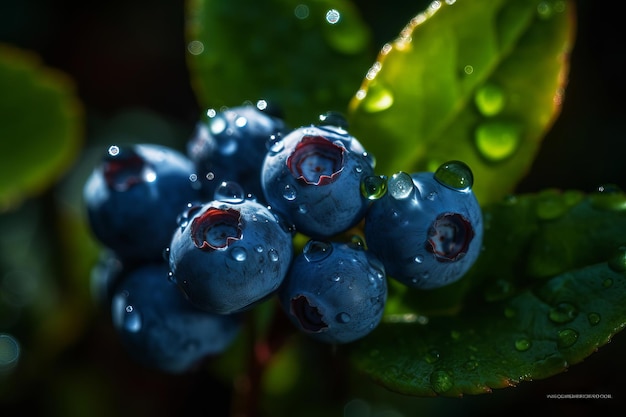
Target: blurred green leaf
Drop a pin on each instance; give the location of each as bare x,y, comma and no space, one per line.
283,51
40,125
548,289
480,82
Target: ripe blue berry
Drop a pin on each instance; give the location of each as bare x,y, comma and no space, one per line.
313,178
134,195
335,292
228,255
231,146
427,228
159,328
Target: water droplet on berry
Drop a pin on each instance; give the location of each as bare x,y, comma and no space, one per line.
258,248
489,99
522,345
217,125
441,381
455,175
303,208
239,254
617,262
289,193
370,159
377,98
337,277
357,242
563,313
374,187
272,254
316,250
230,192
131,321
275,144
497,140
343,317
566,338
400,185
419,259
171,277
332,118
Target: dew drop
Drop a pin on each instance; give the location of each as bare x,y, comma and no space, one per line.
617,262
455,175
432,356
370,159
563,313
132,319
171,277
374,187
230,192
239,254
566,338
258,248
241,121
441,381
343,317
272,254
608,197
377,98
217,125
489,99
418,259
593,318
522,345
497,140
274,144
550,206
333,118
303,208
357,242
400,185
289,193
317,250
336,278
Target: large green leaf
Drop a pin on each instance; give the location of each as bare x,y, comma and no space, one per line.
40,125
548,289
477,81
284,51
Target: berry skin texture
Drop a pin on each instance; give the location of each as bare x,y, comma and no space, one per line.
159,328
313,178
229,255
426,233
133,196
231,146
334,292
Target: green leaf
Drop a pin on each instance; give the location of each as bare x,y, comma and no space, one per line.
283,51
474,81
548,289
40,125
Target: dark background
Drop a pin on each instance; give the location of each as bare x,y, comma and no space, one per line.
127,59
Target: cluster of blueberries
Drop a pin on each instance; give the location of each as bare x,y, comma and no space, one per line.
193,240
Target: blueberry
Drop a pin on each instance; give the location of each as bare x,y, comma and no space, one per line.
231,146
313,178
334,292
427,228
230,254
159,328
133,196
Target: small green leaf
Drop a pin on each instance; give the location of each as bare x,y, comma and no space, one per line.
548,289
283,51
479,82
40,125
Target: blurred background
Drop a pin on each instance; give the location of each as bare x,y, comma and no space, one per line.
58,352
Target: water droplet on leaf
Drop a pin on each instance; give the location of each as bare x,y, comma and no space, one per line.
455,175
497,140
441,381
489,99
377,98
566,338
563,313
522,345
